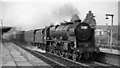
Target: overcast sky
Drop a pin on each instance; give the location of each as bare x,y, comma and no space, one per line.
31,14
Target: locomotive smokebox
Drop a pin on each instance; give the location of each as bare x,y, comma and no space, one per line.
83,32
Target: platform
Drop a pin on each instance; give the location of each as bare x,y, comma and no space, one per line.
110,51
15,57
111,56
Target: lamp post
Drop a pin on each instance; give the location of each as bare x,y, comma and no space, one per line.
1,42
1,22
111,38
1,29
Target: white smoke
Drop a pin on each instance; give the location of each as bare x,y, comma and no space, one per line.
28,16
65,11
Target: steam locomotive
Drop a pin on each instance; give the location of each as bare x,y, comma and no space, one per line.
73,39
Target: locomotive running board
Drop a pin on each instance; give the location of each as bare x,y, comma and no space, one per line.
59,41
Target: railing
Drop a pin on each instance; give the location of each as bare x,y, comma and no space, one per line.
106,45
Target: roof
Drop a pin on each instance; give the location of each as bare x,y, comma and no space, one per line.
5,29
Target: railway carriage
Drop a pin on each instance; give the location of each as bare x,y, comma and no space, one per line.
29,37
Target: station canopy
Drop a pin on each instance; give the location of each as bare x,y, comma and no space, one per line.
4,29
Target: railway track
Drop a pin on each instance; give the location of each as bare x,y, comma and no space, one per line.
55,61
61,62
84,63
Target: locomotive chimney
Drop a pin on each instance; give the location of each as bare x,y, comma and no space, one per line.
75,18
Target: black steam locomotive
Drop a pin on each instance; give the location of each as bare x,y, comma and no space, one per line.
73,39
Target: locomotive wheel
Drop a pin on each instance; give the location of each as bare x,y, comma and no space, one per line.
41,46
80,56
66,55
44,47
59,53
86,55
50,50
74,56
55,52
62,53
91,56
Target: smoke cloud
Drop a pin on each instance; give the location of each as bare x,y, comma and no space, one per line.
65,11
28,16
